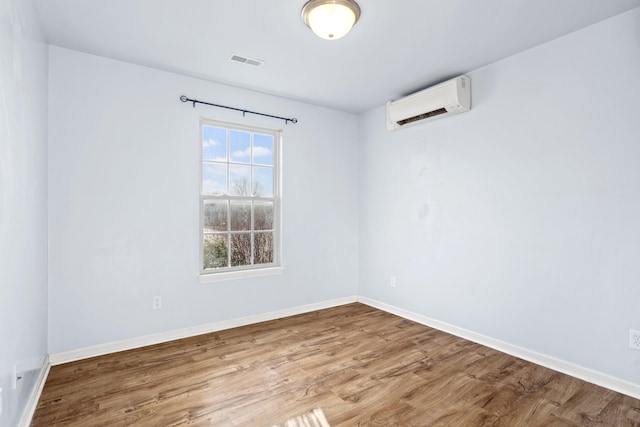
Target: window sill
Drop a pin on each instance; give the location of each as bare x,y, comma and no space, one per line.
244,274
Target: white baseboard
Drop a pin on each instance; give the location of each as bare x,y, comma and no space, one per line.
586,374
34,397
128,344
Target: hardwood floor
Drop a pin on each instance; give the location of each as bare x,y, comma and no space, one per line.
361,366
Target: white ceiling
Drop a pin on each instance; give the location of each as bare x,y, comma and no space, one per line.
397,47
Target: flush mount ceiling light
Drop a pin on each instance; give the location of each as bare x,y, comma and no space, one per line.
330,19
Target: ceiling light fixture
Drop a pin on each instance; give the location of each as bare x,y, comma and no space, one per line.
330,19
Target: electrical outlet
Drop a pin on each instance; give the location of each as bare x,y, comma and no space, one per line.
157,303
634,339
392,281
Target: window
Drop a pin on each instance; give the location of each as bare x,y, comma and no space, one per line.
239,198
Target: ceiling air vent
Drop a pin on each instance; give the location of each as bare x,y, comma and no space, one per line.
246,60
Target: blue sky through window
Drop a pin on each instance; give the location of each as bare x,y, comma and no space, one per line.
239,146
228,156
214,144
263,149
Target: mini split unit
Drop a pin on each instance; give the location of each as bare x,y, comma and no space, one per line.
442,100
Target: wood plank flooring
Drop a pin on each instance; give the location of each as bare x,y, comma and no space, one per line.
361,366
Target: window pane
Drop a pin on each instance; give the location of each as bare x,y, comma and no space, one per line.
263,149
215,216
214,143
214,178
263,216
240,146
263,244
215,251
263,181
240,216
240,179
240,249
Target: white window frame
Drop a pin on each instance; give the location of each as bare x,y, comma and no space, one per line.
253,270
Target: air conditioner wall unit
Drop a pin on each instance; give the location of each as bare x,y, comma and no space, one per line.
445,99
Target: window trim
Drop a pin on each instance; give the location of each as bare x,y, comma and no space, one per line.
245,271
223,276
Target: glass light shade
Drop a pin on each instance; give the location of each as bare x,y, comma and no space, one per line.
331,19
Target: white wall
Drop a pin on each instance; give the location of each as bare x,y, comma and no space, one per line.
519,219
23,204
124,191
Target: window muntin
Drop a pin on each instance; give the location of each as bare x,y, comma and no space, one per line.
239,200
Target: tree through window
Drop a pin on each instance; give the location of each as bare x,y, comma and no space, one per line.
239,197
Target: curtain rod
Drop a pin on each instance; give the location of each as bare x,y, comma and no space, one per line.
195,101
